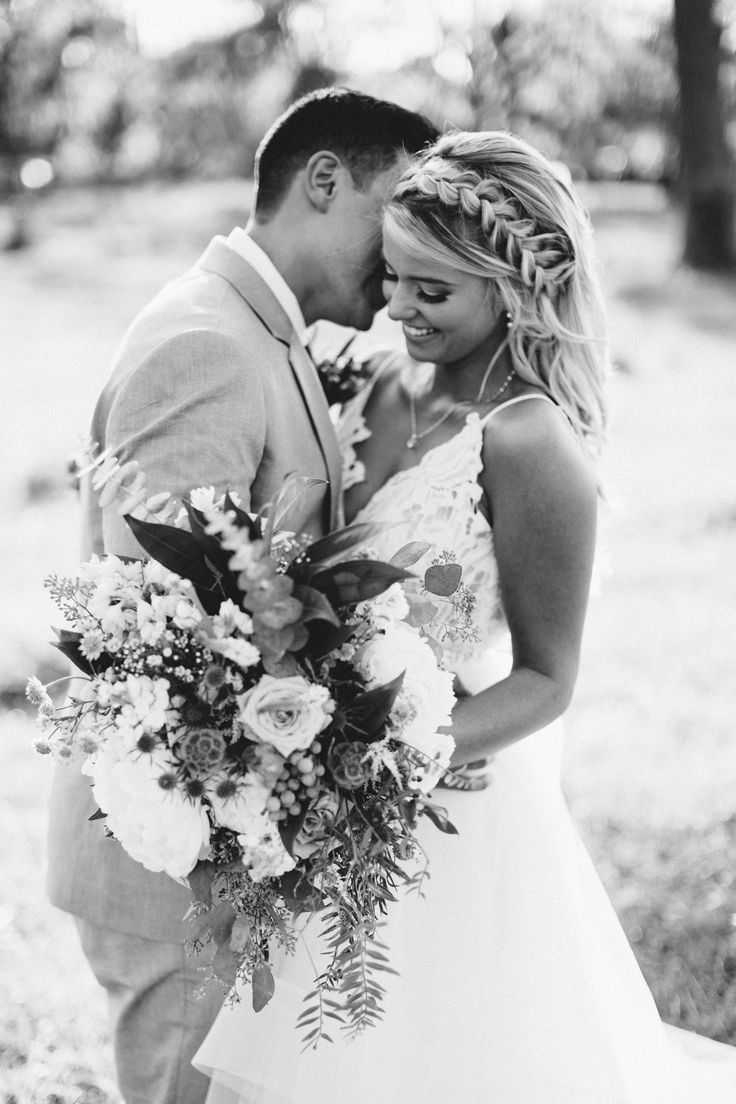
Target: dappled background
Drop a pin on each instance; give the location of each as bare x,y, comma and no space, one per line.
127,132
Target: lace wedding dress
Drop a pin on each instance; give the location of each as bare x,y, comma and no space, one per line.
516,983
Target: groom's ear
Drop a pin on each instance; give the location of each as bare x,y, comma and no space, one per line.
321,177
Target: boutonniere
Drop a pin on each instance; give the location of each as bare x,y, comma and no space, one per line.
343,375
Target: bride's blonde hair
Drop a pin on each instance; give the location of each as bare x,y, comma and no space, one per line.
489,204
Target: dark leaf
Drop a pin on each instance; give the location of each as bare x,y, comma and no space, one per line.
357,580
328,550
200,881
368,713
290,828
68,645
316,606
325,638
178,550
242,519
439,818
410,553
263,986
443,579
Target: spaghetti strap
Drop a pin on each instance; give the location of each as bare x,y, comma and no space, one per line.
510,402
390,358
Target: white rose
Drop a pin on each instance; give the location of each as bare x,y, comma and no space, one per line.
317,822
389,607
399,648
286,712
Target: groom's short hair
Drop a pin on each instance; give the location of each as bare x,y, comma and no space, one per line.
366,133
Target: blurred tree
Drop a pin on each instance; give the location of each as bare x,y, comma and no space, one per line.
64,65
706,161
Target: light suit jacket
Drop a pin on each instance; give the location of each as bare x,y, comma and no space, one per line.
211,387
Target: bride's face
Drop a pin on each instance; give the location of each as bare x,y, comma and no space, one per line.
448,316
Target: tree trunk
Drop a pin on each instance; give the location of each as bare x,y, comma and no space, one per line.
706,163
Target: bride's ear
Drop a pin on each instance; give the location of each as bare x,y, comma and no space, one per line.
321,179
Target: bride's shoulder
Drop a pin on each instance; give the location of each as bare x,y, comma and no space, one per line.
530,433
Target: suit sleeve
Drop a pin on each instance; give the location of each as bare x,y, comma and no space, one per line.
192,414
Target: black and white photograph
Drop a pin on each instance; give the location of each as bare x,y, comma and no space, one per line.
368,635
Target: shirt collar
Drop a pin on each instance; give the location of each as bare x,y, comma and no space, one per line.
243,244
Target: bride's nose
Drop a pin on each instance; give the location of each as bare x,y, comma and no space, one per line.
399,305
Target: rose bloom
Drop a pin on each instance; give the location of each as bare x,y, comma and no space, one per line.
286,713
317,822
347,764
389,607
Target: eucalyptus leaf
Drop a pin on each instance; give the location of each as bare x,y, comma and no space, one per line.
443,579
421,612
410,553
263,986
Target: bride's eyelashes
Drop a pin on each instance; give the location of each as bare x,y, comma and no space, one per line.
428,297
423,296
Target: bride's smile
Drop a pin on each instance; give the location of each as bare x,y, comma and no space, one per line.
448,317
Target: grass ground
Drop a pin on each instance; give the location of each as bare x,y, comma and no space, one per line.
651,758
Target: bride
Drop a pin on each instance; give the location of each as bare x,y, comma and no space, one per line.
516,984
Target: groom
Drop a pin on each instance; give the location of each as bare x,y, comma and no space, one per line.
213,386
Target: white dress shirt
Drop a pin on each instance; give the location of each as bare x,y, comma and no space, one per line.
243,244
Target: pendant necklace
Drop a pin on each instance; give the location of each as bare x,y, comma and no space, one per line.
418,435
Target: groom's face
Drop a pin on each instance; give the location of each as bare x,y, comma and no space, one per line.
352,276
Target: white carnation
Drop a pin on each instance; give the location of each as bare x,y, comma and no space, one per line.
159,828
244,810
263,853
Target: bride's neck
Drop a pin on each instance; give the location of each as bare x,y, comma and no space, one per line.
462,382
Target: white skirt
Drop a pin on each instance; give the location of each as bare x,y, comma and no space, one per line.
516,982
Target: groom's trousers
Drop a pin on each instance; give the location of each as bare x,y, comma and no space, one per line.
158,1021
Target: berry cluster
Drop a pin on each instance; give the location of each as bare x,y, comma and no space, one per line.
297,784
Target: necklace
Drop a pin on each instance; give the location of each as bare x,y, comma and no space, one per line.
416,435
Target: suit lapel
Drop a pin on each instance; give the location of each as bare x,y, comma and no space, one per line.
221,259
314,398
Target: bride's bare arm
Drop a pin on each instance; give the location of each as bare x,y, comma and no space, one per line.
542,496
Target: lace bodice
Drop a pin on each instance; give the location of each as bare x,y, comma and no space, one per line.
437,501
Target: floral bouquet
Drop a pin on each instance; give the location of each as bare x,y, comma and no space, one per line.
260,720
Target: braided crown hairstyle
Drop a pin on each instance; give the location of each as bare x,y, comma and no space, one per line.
489,204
